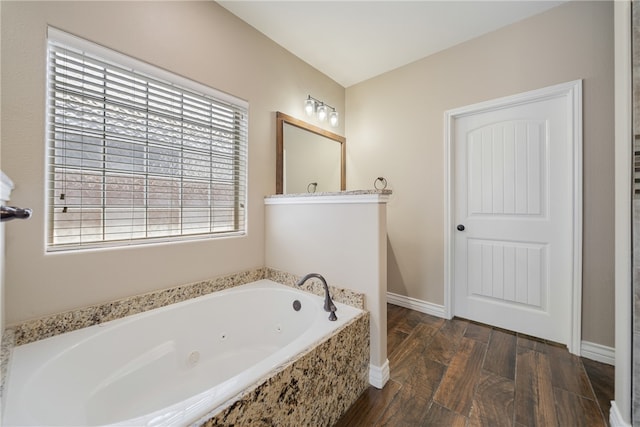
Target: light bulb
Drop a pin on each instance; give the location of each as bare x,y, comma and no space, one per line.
322,112
333,118
309,107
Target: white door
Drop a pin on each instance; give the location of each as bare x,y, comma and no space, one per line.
513,216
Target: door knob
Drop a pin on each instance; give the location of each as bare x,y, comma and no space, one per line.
460,227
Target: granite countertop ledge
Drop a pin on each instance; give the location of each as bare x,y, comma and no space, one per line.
333,194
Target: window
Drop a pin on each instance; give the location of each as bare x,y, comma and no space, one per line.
136,154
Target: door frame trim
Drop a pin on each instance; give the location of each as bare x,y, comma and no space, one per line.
573,93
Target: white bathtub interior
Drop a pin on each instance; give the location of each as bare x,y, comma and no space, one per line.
166,366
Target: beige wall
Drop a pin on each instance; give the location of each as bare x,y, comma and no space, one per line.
395,129
199,40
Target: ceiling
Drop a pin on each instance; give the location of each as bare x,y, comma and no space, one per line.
352,41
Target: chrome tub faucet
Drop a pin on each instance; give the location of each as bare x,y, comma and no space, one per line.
329,306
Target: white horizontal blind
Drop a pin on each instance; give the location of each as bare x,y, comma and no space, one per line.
136,159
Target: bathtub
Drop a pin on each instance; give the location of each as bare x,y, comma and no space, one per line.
168,366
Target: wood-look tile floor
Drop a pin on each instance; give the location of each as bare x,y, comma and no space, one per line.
461,373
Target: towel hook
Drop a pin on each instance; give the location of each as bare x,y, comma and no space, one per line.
382,180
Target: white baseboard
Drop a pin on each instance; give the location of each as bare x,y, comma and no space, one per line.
598,352
416,304
379,375
615,418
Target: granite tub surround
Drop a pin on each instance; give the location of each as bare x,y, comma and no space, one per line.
314,286
351,345
313,390
68,321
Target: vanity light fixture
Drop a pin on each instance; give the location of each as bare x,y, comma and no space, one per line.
313,105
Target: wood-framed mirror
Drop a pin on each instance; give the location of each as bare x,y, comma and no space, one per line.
308,158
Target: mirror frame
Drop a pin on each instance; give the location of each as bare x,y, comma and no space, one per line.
281,119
